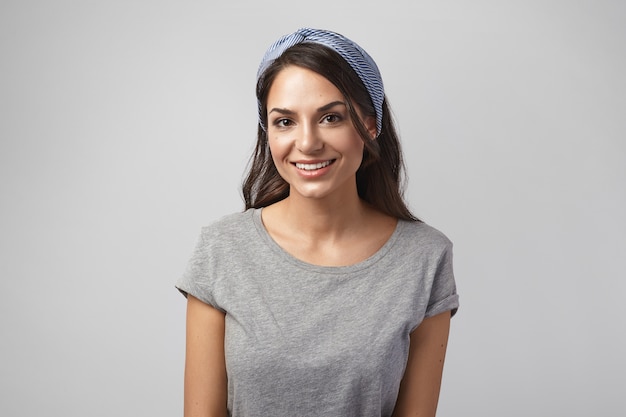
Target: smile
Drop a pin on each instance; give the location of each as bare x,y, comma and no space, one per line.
312,167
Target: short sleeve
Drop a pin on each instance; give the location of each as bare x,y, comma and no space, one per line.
443,295
197,279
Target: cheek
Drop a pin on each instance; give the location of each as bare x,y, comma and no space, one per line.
278,151
357,153
355,148
274,146
279,144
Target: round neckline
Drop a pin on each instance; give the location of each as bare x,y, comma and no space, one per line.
283,254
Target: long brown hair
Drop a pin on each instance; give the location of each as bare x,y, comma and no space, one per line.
380,178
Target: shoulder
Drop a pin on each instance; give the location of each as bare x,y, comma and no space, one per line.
420,236
229,224
230,231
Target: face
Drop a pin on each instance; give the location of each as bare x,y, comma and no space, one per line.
314,145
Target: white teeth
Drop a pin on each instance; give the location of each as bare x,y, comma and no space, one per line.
311,167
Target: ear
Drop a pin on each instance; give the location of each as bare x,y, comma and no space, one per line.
370,125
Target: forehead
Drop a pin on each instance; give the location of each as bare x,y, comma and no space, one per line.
295,85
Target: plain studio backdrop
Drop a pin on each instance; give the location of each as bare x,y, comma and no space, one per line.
127,125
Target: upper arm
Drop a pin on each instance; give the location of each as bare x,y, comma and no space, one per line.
419,389
205,368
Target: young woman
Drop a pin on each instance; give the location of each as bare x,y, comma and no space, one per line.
326,296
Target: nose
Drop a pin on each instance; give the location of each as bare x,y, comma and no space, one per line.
308,140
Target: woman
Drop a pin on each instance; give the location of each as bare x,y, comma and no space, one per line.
326,297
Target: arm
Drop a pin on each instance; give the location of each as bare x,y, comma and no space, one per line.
419,389
205,368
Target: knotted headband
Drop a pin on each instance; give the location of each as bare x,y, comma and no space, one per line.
353,54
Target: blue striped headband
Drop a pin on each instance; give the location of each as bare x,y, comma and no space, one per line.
355,56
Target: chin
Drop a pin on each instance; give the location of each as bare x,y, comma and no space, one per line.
314,195
320,193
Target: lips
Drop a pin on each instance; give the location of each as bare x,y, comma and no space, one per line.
312,166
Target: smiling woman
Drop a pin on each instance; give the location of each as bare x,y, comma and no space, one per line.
326,296
314,144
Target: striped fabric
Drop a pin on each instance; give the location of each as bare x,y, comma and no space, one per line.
359,60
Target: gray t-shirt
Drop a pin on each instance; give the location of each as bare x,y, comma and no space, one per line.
309,340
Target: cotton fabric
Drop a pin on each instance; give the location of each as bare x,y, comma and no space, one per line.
360,61
308,340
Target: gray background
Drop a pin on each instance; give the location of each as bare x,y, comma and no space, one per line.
126,125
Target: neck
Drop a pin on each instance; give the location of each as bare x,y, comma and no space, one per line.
324,218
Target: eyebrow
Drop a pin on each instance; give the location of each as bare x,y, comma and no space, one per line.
321,109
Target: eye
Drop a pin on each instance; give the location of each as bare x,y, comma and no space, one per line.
331,118
282,122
